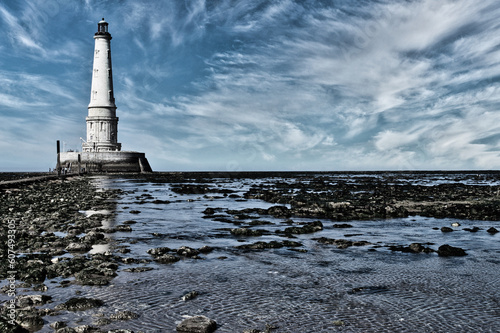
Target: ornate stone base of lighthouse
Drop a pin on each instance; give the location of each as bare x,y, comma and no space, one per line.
110,161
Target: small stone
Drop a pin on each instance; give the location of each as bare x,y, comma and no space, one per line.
446,229
190,295
338,323
197,324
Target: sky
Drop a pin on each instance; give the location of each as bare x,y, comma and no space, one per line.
237,85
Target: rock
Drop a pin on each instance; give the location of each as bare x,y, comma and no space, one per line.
455,224
245,232
446,229
190,295
58,324
306,229
279,211
492,230
124,228
30,321
80,304
342,225
120,331
159,251
135,212
449,251
30,300
413,248
474,229
167,259
78,247
187,251
206,249
124,315
197,324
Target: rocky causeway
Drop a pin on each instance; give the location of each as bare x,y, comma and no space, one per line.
251,252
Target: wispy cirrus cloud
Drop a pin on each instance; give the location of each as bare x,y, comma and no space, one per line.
279,84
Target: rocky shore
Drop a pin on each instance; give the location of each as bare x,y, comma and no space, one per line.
50,227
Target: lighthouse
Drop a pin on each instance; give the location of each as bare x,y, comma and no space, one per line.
102,122
101,152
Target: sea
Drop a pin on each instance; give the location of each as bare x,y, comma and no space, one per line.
313,288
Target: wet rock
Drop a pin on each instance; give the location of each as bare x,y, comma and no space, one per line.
58,324
30,321
206,249
190,295
167,259
129,222
66,330
197,324
6,327
159,251
187,251
412,248
23,301
449,251
78,247
343,225
123,228
245,232
492,230
120,331
135,211
95,276
262,245
289,243
86,329
473,229
209,211
446,229
138,269
80,304
279,211
306,229
124,315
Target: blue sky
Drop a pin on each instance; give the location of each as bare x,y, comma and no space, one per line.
235,85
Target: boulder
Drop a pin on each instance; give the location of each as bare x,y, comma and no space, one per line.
80,304
450,251
492,230
197,324
78,247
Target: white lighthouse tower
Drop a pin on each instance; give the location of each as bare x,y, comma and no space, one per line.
102,152
102,122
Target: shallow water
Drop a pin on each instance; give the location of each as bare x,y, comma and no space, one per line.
369,288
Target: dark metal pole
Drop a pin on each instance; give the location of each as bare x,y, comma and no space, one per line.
79,164
58,166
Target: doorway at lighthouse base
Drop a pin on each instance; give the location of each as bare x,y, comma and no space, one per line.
110,161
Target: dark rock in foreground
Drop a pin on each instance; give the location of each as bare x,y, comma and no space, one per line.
197,324
450,251
80,304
